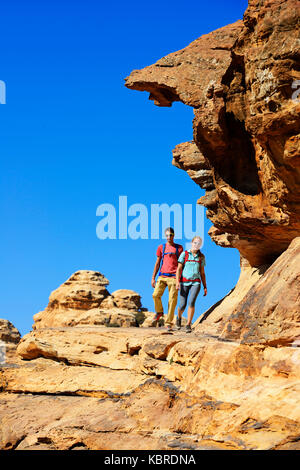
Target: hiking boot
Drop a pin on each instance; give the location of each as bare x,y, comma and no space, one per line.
178,323
157,317
188,329
169,327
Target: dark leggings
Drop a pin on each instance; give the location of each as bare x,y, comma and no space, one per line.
193,290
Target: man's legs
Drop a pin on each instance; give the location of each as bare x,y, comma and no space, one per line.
159,289
173,294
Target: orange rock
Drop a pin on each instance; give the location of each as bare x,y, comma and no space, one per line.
233,383
239,80
93,387
84,300
9,338
270,311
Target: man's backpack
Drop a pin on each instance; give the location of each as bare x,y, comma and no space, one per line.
168,253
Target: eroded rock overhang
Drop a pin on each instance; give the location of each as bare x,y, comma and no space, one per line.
239,79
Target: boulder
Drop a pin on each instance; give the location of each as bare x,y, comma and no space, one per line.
126,298
84,300
8,332
9,338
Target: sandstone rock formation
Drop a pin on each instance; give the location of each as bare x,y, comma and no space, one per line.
245,154
91,387
233,383
9,338
84,300
8,332
239,79
270,311
264,306
212,321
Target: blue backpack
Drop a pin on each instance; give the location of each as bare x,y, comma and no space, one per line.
168,253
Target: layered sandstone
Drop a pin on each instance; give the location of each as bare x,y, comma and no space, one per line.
9,338
264,306
240,81
233,383
136,388
84,300
270,311
212,321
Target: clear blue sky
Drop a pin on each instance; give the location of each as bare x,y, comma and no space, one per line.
74,137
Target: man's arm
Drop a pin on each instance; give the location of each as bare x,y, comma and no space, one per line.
155,270
178,275
203,279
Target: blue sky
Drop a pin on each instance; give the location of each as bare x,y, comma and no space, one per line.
74,137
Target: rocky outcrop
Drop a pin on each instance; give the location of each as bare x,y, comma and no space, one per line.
233,383
91,387
8,332
9,338
270,311
263,307
84,300
239,79
212,321
126,298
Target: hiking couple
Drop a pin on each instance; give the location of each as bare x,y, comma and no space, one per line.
181,271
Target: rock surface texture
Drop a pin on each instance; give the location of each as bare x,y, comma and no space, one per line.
92,387
83,299
240,80
78,382
233,383
9,338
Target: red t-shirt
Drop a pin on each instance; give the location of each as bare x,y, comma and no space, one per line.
170,261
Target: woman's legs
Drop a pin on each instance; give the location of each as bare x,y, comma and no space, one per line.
184,292
194,291
191,311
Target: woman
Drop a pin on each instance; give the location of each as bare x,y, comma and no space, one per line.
189,271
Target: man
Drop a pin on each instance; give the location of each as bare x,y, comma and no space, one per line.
167,253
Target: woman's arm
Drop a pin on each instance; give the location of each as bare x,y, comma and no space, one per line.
203,279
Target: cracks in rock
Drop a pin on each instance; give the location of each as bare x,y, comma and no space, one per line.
287,443
240,169
105,394
220,48
80,445
102,394
11,446
230,150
